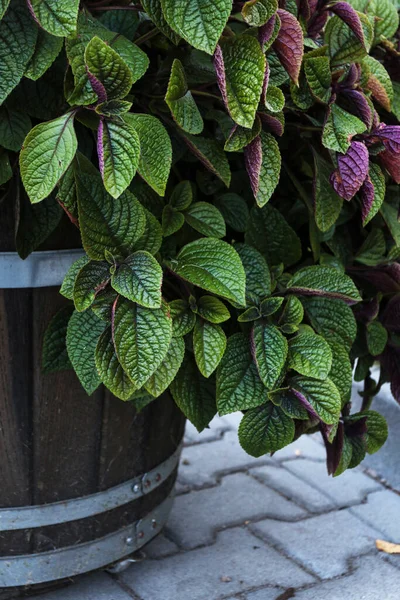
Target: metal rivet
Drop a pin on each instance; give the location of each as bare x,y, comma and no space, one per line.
148,483
140,534
136,488
153,523
129,541
158,477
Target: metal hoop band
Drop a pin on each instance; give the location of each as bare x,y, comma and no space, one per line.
40,269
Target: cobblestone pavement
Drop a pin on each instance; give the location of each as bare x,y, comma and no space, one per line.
267,529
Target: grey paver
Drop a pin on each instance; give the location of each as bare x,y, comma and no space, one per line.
266,594
238,498
202,574
202,463
294,488
214,432
323,543
94,587
305,447
350,488
159,547
383,512
374,579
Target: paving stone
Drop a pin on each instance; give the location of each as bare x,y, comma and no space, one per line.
159,547
236,556
382,511
214,432
305,447
266,594
374,579
94,587
202,463
350,488
294,488
196,516
323,543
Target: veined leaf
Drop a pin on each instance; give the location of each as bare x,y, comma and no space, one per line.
258,12
35,223
270,350
200,23
215,266
166,372
293,313
155,150
119,154
321,398
289,44
344,46
324,281
341,373
258,277
14,126
318,74
181,102
154,10
327,203
239,386
339,128
209,344
377,337
54,350
58,17
310,355
84,330
332,319
240,66
91,278
377,430
139,279
151,239
47,49
379,185
212,309
141,337
47,152
265,429
206,218
172,220
183,319
110,370
386,18
107,223
3,7
263,164
182,195
239,136
211,154
379,82
234,210
105,66
67,287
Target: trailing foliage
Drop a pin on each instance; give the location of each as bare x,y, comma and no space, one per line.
233,170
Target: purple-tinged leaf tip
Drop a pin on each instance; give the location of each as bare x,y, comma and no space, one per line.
97,87
265,31
317,25
309,408
384,278
351,172
391,163
391,315
390,362
390,136
289,44
367,195
100,147
32,12
334,450
272,123
357,428
367,311
347,13
361,106
253,161
219,67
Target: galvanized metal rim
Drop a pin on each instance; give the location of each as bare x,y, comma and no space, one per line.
32,517
38,270
31,569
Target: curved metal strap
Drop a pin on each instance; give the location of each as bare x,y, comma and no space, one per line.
40,269
28,517
74,560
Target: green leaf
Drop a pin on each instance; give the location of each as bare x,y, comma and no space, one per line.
166,372
269,232
209,344
373,249
14,126
332,319
154,10
318,75
324,281
124,22
211,154
183,319
58,17
182,195
270,306
107,223
151,239
379,82
54,349
194,394
211,309
155,150
339,128
110,370
113,108
293,313
120,152
139,279
206,219
241,83
67,288
327,204
181,102
310,355
35,223
249,315
341,372
172,220
258,12
215,266
5,167
322,396
270,349
3,7
239,386
18,33
141,337
378,181
390,216
234,210
84,330
344,46
274,99
377,337
386,20
200,23
290,404
47,152
91,278
265,429
107,67
239,136
47,49
377,430
270,169
103,304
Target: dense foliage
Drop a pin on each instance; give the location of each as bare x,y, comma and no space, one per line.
232,169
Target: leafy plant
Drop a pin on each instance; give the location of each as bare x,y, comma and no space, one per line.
233,170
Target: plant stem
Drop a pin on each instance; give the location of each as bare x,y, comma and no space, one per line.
147,36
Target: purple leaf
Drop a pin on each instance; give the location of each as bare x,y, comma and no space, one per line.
272,122
97,86
361,105
347,13
317,25
353,76
289,44
391,315
334,450
253,161
367,311
385,278
219,67
391,365
357,428
100,147
390,135
352,171
367,195
391,162
309,408
265,32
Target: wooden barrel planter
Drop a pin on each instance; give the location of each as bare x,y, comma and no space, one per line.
84,481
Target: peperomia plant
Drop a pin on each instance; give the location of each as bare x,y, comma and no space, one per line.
232,169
